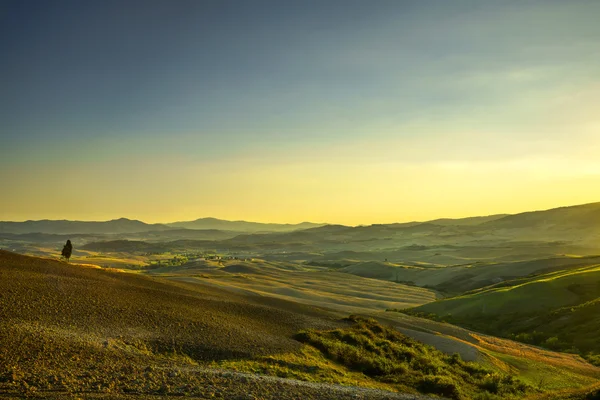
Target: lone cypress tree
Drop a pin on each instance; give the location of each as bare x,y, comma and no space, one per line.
67,250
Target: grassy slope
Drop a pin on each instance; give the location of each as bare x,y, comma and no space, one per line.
391,357
392,360
66,327
560,310
469,276
535,366
545,292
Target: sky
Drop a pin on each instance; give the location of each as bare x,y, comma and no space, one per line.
339,111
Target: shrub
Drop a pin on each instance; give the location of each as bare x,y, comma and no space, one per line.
593,359
440,385
551,342
387,355
491,383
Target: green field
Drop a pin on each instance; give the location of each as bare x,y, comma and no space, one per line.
558,310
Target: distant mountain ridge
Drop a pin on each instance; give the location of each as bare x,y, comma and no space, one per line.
584,217
572,217
579,215
126,226
121,225
468,220
241,226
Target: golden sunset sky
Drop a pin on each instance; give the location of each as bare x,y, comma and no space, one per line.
351,112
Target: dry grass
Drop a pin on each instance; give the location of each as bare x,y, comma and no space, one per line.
67,328
70,328
562,360
307,364
539,367
344,292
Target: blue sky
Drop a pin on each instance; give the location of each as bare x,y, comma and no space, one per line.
210,93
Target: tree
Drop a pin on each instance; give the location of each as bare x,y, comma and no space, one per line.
67,250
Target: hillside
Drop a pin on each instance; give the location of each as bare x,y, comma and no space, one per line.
444,242
567,230
308,285
131,246
559,309
122,225
67,328
467,220
585,215
547,291
457,279
71,328
240,226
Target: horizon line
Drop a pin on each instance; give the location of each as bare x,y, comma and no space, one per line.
298,223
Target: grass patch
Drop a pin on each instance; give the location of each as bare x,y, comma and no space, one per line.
307,364
544,376
559,311
387,356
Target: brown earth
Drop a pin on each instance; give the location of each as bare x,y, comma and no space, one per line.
70,330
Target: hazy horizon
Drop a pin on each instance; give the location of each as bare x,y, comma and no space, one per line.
346,112
294,222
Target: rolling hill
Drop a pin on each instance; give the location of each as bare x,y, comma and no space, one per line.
444,242
457,279
69,329
308,285
122,225
585,215
519,237
240,226
558,309
78,330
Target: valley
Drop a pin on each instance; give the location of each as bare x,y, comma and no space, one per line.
521,306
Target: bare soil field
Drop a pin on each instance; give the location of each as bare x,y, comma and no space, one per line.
69,330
